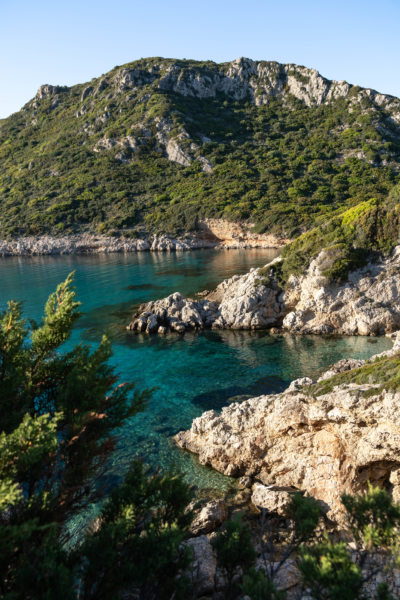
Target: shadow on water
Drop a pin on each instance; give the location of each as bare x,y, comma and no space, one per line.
141,286
218,398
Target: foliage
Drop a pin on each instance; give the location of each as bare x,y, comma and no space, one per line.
374,518
348,239
234,549
233,546
332,571
305,513
139,540
58,414
281,165
259,587
384,372
328,570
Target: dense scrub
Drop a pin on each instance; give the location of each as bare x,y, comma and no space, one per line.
348,239
90,157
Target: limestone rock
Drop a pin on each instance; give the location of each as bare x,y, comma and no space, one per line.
204,565
297,384
324,445
211,516
274,500
367,304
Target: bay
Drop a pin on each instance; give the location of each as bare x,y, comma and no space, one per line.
190,373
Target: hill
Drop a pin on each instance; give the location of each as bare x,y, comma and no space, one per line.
156,144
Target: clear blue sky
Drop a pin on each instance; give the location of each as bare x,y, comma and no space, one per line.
66,42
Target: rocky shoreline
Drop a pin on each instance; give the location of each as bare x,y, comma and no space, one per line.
324,437
211,233
366,304
321,438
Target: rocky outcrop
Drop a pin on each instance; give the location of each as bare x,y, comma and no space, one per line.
324,444
367,304
174,313
241,302
256,80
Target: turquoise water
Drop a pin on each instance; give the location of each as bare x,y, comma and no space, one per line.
191,373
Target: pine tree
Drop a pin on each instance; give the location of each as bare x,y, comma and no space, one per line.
58,412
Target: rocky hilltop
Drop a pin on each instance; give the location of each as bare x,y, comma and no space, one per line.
158,145
324,438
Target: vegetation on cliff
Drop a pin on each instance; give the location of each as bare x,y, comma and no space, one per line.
349,239
158,143
383,373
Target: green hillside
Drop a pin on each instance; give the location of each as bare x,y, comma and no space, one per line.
349,239
158,143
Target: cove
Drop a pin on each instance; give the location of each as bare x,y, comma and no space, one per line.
190,373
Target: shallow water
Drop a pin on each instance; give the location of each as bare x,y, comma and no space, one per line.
191,373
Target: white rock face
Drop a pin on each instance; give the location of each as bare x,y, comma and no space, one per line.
180,148
324,445
368,304
246,303
256,80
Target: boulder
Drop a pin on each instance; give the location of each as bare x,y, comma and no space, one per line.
210,516
270,498
204,565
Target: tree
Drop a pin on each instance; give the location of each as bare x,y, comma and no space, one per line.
234,549
58,413
334,571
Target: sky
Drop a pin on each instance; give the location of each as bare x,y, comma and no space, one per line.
68,42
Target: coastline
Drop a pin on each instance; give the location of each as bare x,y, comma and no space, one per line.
86,243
